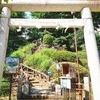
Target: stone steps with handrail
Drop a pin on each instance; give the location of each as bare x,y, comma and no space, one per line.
39,81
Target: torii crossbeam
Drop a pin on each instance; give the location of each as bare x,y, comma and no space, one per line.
52,5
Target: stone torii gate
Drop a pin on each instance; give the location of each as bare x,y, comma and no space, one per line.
83,6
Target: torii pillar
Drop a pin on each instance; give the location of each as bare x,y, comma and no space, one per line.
4,31
92,52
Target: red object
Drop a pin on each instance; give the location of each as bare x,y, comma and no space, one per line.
80,88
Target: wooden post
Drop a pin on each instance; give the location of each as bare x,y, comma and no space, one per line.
58,76
4,38
80,90
10,86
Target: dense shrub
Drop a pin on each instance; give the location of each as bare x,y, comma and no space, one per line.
23,51
19,53
51,53
56,41
84,63
98,40
63,55
28,48
82,55
4,90
48,39
38,61
59,55
29,60
44,58
46,64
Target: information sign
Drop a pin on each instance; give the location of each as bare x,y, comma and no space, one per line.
58,66
65,83
49,72
12,63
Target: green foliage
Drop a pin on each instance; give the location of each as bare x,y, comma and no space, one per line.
42,62
29,60
59,41
96,20
4,90
27,49
42,33
46,56
38,14
44,59
82,54
98,40
48,39
51,53
19,53
80,39
59,55
69,41
51,14
39,61
56,41
17,14
4,1
33,35
83,62
46,64
23,51
15,38
63,55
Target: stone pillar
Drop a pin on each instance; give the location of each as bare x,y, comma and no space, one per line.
4,31
92,52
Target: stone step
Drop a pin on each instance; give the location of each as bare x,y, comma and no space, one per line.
35,81
34,85
43,97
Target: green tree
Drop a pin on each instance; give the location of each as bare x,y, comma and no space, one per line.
18,15
48,39
15,38
4,0
96,20
98,40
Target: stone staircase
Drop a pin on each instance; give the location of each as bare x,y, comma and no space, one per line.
39,86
